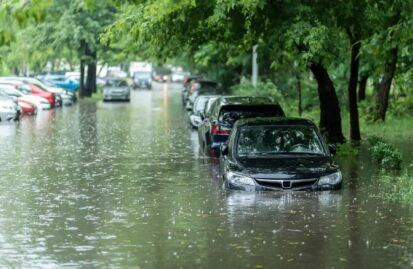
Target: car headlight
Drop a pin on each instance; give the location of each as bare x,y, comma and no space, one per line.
240,179
330,179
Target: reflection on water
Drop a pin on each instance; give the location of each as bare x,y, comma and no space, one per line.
122,185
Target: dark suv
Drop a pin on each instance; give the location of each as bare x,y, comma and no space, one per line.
217,122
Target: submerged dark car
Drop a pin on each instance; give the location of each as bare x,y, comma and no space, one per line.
278,154
217,123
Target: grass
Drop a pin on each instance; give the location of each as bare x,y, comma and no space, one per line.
397,188
96,97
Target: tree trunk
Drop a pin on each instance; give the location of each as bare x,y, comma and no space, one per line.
82,79
362,87
300,106
330,114
352,93
91,73
384,86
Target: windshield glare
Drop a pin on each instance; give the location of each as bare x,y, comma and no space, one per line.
272,140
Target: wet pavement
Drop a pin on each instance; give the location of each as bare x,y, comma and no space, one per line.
122,185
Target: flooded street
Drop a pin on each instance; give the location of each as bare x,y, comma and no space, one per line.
122,185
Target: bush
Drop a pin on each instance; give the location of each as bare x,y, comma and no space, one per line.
347,150
397,188
387,155
374,139
263,88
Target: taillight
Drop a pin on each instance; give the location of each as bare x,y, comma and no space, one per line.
216,130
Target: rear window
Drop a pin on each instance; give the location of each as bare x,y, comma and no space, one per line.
233,113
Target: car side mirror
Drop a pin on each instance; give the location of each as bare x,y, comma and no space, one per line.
224,149
332,148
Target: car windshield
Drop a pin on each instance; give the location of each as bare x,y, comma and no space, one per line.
116,83
231,114
274,140
142,75
11,92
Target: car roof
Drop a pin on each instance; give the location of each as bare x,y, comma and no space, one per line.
260,121
246,100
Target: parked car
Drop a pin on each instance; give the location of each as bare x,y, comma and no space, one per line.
142,79
278,154
61,95
63,82
185,87
224,112
178,76
116,89
67,97
201,85
9,109
37,101
27,88
27,108
202,88
198,108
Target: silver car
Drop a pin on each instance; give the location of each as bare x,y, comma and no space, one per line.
116,89
9,110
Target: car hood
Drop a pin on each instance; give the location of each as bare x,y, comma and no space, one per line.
33,98
286,167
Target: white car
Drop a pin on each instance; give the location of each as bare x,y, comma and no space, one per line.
8,110
178,76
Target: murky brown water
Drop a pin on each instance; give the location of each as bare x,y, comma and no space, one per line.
121,185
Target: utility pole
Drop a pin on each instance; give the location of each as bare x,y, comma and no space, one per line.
254,66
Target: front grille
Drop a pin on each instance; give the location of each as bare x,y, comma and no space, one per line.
286,183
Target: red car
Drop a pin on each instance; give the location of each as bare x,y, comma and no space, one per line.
27,108
37,91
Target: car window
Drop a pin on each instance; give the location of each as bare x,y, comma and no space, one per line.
142,75
273,140
116,83
231,114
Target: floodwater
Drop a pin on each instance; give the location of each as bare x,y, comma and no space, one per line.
121,185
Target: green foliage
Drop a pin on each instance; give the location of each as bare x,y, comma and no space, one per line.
372,140
387,155
347,149
263,88
397,188
402,106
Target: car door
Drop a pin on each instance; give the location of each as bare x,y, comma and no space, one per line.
204,128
